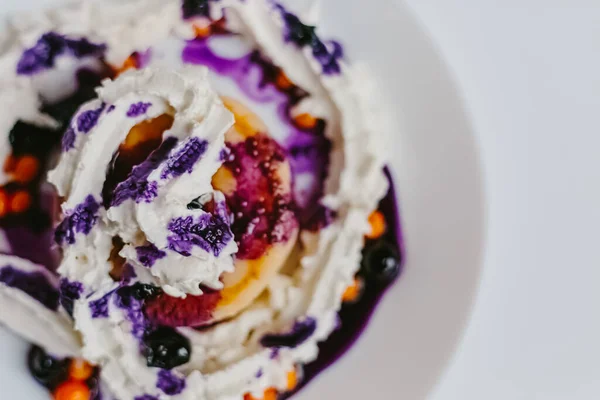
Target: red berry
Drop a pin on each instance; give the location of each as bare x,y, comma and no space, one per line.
72,390
175,312
4,203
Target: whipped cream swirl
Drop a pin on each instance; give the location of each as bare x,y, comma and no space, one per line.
166,242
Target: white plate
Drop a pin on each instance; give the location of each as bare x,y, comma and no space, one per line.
435,161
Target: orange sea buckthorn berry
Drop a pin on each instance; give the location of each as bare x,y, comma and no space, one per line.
377,223
292,380
10,163
129,63
4,203
305,121
20,202
353,291
26,168
282,81
72,390
202,31
270,394
80,370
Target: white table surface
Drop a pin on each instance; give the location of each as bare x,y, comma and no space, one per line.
530,74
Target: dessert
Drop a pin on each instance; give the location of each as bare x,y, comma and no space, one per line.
222,218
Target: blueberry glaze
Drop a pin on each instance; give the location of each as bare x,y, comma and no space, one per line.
35,284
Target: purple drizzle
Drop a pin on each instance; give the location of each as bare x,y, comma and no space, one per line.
209,232
170,383
83,47
136,186
300,333
274,353
69,292
146,397
79,220
35,284
133,312
43,54
149,254
137,109
85,122
307,150
68,139
88,119
99,308
184,159
303,35
224,154
322,217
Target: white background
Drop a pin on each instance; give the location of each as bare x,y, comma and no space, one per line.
530,74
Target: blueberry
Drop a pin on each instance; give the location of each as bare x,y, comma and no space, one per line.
139,291
192,8
299,33
194,205
26,138
166,348
46,369
381,262
94,385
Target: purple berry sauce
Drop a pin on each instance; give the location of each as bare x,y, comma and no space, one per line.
209,232
149,254
134,313
146,397
185,158
137,109
69,292
327,54
301,331
79,220
42,56
87,120
35,284
307,150
354,317
99,308
126,180
170,383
